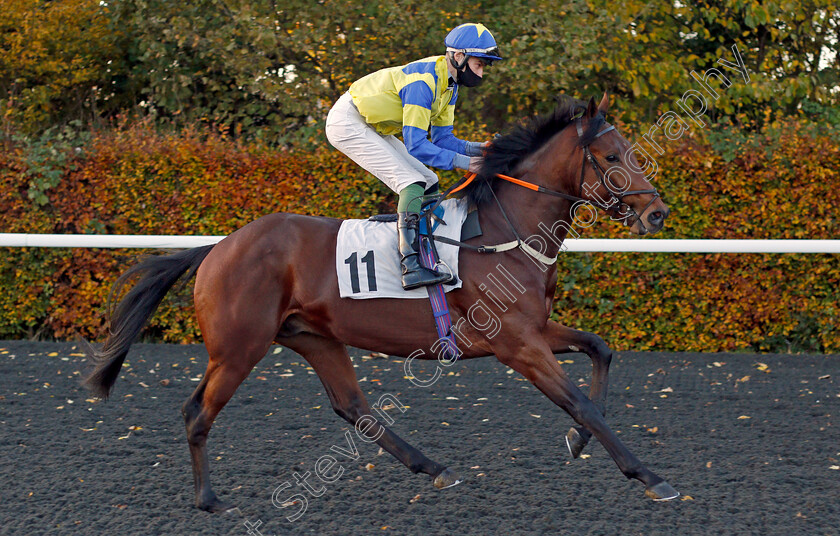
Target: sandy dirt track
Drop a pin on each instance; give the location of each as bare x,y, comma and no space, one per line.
754,449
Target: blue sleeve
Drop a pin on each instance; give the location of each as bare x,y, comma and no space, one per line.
444,138
418,145
417,100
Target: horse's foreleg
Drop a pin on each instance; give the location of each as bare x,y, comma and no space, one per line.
563,339
333,366
533,359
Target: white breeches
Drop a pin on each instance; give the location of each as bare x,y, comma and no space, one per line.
384,156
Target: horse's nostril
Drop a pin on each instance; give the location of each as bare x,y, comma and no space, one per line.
656,217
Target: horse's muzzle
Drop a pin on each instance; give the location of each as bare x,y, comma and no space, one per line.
653,219
656,220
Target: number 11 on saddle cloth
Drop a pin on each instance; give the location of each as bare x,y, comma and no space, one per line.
367,261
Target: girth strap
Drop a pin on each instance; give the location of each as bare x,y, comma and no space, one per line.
437,298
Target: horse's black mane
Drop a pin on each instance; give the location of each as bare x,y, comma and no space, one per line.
507,151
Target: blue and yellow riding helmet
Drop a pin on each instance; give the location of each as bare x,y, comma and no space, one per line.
473,40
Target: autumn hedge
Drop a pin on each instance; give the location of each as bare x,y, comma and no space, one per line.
778,183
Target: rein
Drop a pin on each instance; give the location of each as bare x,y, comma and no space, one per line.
600,172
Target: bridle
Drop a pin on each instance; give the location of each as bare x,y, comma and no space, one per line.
601,173
615,205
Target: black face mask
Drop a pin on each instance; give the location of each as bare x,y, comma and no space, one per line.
467,78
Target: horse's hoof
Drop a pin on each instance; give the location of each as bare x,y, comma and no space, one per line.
662,492
446,479
574,442
214,505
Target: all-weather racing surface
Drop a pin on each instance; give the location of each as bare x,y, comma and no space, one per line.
751,441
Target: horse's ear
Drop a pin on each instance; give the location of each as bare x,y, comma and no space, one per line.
591,108
605,103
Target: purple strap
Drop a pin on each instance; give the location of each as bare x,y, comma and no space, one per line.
440,309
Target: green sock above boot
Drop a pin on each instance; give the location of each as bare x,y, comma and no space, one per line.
411,198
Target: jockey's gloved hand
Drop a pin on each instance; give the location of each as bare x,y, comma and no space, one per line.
476,163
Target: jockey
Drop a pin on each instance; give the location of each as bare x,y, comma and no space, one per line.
417,99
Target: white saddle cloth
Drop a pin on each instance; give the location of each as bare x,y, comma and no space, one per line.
367,261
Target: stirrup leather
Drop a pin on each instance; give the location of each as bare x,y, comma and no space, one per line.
414,274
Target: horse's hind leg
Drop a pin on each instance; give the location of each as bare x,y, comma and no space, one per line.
227,369
562,340
332,364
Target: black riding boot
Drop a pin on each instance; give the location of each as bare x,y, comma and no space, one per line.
414,274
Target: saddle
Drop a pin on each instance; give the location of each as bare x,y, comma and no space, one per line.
366,256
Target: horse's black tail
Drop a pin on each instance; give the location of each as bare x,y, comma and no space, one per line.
156,275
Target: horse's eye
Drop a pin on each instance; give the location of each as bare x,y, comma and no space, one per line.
612,158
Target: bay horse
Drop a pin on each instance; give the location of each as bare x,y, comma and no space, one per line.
274,281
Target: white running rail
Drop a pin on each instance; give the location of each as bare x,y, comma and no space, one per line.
645,245
105,241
